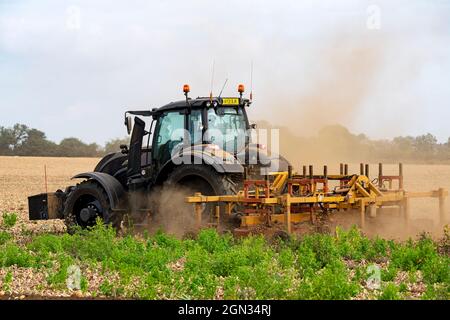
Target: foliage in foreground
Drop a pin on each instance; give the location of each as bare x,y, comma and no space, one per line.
220,266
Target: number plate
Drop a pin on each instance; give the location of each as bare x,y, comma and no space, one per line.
230,101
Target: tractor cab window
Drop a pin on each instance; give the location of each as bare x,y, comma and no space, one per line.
227,128
195,126
169,135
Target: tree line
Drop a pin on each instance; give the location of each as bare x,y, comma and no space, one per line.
331,143
335,143
21,140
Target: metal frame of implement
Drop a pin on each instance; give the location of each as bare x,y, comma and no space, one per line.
291,198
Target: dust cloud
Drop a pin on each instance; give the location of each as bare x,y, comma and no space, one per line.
170,212
312,123
310,120
389,224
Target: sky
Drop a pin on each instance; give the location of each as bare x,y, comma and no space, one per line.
382,68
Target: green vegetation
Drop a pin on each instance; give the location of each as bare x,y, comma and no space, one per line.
9,220
317,266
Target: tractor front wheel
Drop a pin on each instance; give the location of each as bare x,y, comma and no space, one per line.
87,202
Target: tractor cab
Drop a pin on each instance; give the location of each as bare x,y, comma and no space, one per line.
191,126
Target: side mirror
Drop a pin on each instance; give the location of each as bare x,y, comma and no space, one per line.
129,124
124,148
253,126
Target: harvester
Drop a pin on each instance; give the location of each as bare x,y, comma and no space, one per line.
201,144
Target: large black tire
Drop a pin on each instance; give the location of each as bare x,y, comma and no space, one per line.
89,195
185,180
195,176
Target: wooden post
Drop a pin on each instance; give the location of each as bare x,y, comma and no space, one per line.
373,210
287,217
304,171
217,215
407,213
311,173
289,171
380,175
361,168
400,173
198,212
229,208
442,219
341,169
367,170
346,169
362,214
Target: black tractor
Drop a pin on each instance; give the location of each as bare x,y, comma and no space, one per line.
202,144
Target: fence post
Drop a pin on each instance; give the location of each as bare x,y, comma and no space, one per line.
362,211
288,214
442,217
198,212
380,175
407,212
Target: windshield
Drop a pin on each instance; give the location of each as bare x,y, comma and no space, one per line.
227,128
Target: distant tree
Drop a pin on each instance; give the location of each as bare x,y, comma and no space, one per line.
36,144
6,141
11,138
73,147
403,147
331,142
426,144
114,145
20,133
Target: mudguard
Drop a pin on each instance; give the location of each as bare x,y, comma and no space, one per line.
204,158
115,191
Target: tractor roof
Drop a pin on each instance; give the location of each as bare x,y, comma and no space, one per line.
202,102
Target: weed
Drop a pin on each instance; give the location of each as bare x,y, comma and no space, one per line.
9,220
4,237
437,292
12,254
390,292
332,282
7,280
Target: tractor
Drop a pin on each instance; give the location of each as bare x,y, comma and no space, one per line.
202,144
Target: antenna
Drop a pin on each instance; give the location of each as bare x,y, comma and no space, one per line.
212,82
251,81
220,94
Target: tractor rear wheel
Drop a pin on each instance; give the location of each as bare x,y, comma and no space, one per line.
207,181
87,202
202,178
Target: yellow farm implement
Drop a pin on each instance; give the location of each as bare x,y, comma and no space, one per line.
288,198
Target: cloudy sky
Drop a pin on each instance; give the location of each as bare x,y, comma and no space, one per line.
378,67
